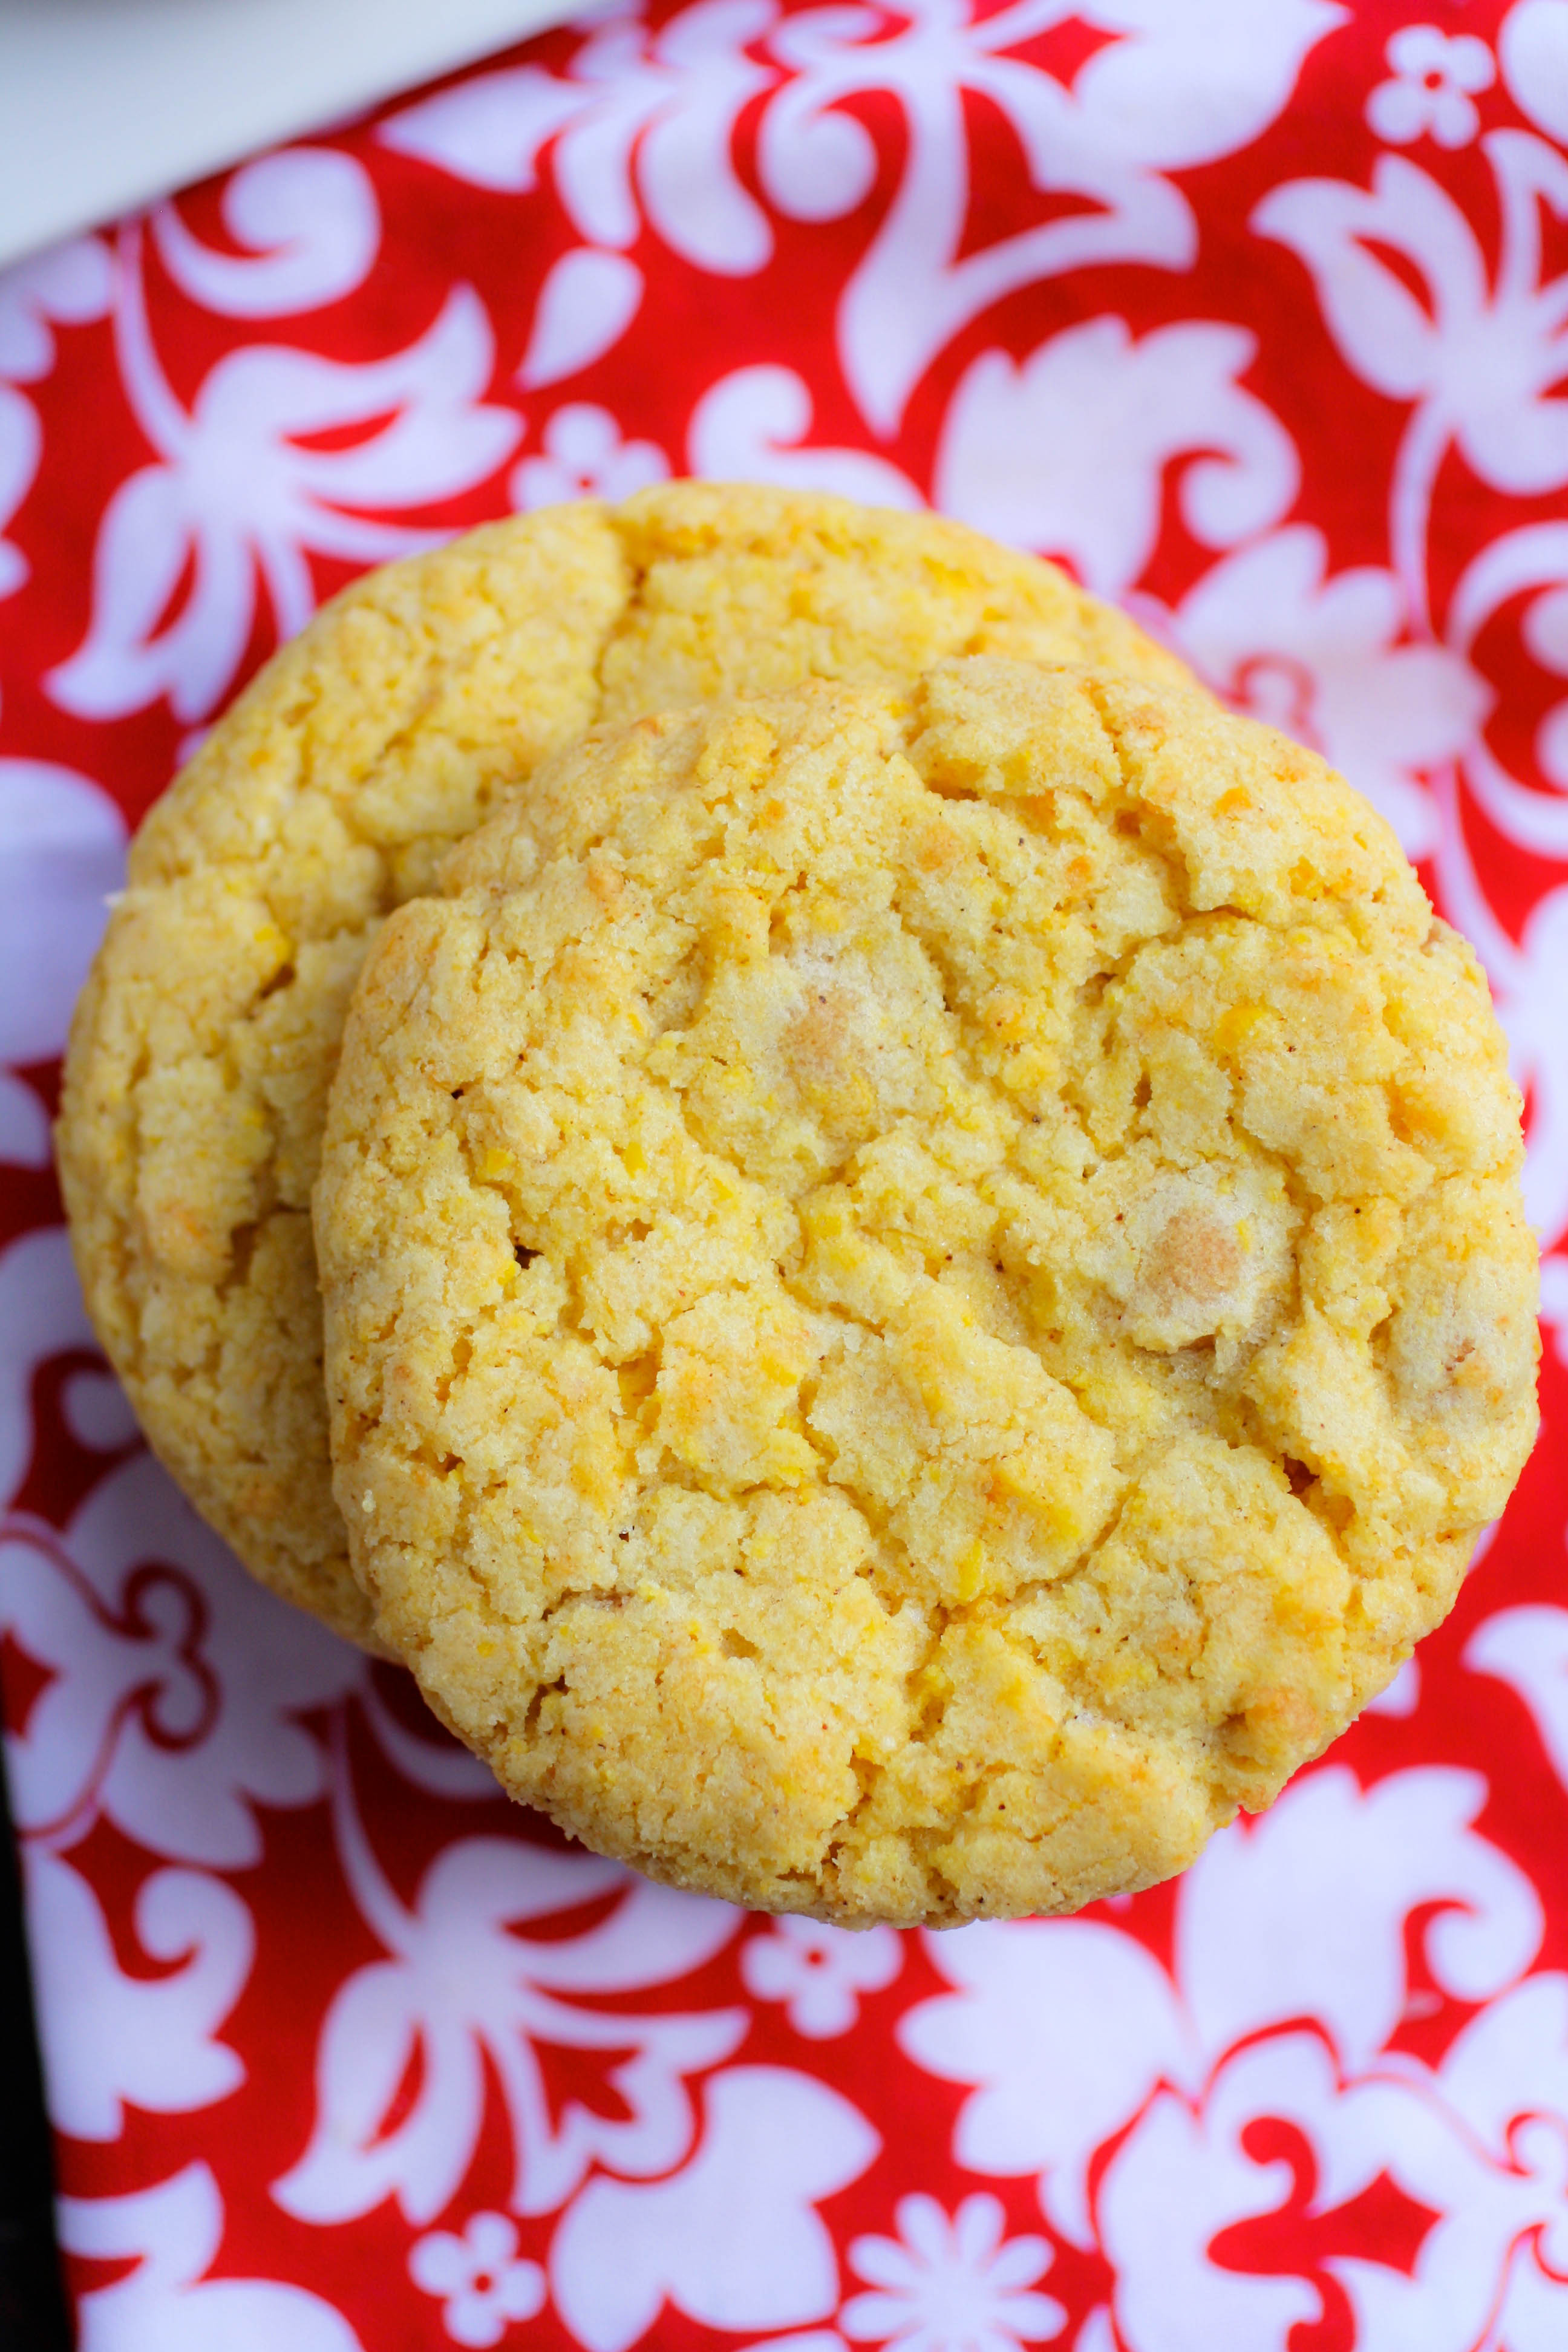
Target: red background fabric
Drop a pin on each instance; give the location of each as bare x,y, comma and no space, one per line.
1255,312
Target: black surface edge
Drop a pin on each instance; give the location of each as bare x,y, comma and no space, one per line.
31,2296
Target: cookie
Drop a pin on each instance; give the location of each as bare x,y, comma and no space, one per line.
195,1084
926,1290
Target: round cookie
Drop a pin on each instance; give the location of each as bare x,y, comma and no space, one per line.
926,1291
195,1084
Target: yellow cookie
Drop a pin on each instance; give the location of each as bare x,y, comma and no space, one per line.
926,1288
197,1080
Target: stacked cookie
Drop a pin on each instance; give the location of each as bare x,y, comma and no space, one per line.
925,1287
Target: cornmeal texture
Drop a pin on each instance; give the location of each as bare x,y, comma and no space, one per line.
926,1288
197,1081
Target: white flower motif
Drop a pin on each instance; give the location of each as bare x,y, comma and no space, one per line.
1434,74
67,286
1064,2028
951,2286
640,133
1136,2093
1532,49
1154,97
1478,2144
586,457
240,496
1479,351
1527,1648
733,2241
642,128
114,2038
820,1972
161,2241
587,302
308,222
470,1997
42,1314
1530,973
62,851
480,2278
1319,655
751,427
1066,451
1530,563
174,1680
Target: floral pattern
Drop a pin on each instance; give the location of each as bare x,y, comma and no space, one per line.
484,2286
462,1988
584,457
1431,91
65,286
1254,312
951,2286
819,1972
240,495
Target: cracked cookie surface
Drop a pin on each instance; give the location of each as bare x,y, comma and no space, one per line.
926,1288
195,1084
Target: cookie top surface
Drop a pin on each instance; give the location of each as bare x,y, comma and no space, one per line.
926,1290
195,1084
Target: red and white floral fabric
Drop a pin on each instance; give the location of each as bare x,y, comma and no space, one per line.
1255,312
